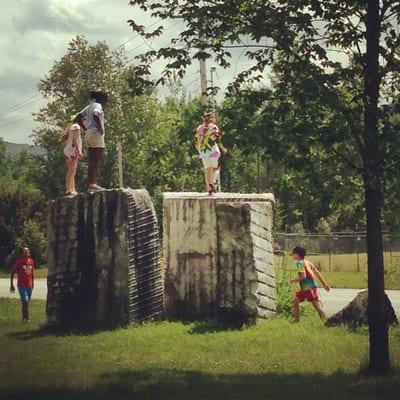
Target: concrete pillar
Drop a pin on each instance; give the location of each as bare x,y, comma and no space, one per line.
190,250
246,272
103,259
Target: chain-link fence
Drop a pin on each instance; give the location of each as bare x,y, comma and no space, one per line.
335,252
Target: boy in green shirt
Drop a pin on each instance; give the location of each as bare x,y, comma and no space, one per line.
307,271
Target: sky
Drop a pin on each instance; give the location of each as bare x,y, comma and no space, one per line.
35,33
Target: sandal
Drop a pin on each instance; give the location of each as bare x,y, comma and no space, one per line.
212,189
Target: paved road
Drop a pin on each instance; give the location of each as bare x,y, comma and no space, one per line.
333,301
39,292
336,299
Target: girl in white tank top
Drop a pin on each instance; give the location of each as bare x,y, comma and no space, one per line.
72,152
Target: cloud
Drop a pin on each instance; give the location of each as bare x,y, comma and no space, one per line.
35,33
64,17
47,16
17,81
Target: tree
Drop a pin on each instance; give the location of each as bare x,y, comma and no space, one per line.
19,201
306,36
83,68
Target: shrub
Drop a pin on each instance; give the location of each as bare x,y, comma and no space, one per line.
284,292
19,202
33,237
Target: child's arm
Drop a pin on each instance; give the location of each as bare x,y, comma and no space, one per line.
218,138
325,284
75,143
301,273
197,138
13,272
300,278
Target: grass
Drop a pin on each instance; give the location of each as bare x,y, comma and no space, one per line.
200,360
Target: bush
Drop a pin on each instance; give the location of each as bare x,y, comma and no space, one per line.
19,203
33,237
284,293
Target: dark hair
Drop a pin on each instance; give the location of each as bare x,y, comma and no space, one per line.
301,251
79,120
99,97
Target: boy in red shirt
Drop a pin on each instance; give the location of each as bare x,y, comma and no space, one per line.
24,269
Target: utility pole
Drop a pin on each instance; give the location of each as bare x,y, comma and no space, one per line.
119,155
212,70
203,82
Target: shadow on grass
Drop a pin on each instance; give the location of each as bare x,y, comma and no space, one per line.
213,326
176,385
56,331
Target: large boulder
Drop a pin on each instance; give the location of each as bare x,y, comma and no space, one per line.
103,259
213,263
355,313
246,273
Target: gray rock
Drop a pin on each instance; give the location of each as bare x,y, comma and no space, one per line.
103,259
195,265
355,313
245,289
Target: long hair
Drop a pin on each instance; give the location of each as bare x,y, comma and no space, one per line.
63,136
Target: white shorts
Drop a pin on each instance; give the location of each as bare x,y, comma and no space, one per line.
210,162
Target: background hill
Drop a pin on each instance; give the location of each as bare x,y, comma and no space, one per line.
17,148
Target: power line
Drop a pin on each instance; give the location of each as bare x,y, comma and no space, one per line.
20,104
18,107
145,42
15,122
136,36
29,100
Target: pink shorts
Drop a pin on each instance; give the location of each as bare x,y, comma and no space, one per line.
309,295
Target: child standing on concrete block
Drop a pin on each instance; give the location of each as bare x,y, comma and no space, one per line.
308,287
72,152
208,136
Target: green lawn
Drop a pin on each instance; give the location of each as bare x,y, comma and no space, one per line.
342,269
174,360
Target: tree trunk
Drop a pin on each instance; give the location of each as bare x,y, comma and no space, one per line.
379,361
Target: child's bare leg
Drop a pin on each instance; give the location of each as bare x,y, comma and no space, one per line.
206,179
208,175
68,179
25,310
73,173
317,305
296,309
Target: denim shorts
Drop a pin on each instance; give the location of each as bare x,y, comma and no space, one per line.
25,293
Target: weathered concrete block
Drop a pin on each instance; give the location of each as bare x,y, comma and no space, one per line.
191,256
104,263
355,313
243,249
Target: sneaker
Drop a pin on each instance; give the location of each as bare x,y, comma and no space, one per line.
95,188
